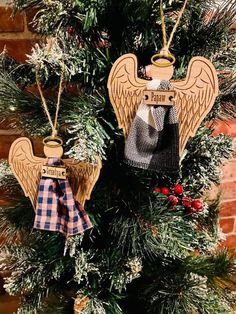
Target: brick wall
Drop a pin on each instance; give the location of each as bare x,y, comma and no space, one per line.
17,36
227,217
16,33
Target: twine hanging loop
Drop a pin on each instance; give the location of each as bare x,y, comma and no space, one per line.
54,125
165,53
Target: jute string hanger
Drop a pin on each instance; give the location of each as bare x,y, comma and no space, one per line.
45,106
165,53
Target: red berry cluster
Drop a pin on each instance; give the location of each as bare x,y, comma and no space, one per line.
70,30
176,197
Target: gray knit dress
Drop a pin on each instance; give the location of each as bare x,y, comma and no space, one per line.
153,139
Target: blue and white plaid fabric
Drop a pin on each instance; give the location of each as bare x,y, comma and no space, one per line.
57,209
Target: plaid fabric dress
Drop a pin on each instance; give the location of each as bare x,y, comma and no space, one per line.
153,139
57,209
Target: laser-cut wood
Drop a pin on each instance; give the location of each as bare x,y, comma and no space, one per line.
194,96
154,97
27,169
54,172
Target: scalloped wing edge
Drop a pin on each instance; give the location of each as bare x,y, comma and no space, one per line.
181,83
90,175
130,106
193,72
22,147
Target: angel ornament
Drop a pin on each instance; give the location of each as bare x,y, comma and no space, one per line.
159,116
57,188
152,134
58,203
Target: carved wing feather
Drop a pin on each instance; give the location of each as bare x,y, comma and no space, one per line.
125,89
195,97
26,167
83,176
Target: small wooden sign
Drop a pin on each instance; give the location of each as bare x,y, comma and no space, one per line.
54,172
158,97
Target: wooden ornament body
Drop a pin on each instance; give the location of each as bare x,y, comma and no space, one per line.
194,96
27,169
53,150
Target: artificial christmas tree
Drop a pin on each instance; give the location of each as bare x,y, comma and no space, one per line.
154,244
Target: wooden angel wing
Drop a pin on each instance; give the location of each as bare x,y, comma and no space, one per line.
26,167
125,89
195,97
82,176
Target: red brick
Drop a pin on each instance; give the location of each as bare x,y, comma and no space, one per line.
229,242
212,193
17,48
228,209
6,141
2,291
4,202
9,23
9,304
227,225
226,127
30,14
229,190
229,170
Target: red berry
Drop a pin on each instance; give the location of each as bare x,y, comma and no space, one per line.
173,199
178,189
157,190
70,30
187,202
165,190
197,205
